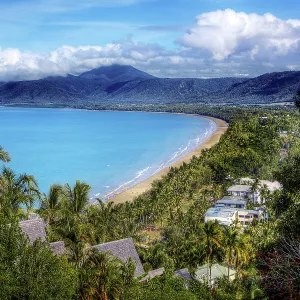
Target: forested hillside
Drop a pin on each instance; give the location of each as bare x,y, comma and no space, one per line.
174,208
118,84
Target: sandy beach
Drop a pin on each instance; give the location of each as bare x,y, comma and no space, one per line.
145,185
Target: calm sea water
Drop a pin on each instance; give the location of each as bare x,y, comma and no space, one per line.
109,150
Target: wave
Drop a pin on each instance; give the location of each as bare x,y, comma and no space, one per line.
152,170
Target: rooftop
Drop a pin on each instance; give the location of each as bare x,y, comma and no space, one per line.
217,271
34,229
123,249
231,202
271,185
183,273
220,212
157,272
240,188
58,248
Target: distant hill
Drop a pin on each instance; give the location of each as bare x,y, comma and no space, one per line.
125,84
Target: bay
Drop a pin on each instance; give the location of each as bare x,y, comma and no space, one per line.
109,150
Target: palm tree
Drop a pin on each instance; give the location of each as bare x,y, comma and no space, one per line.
51,203
4,156
77,197
100,276
17,191
211,240
231,243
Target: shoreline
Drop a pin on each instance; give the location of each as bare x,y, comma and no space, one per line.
145,185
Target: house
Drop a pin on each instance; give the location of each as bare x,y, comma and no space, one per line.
245,217
152,274
58,248
35,229
272,186
225,216
184,274
232,201
242,190
123,249
228,216
217,271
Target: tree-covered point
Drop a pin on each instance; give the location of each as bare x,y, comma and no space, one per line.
253,146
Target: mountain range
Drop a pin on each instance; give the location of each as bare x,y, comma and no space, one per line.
128,85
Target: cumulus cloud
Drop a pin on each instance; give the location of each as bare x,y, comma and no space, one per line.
227,33
221,43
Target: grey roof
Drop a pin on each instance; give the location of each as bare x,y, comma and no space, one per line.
236,198
184,273
34,229
232,202
217,271
123,249
58,248
157,272
240,188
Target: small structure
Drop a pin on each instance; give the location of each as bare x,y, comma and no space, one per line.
58,248
225,216
240,190
123,249
232,201
152,274
34,229
183,273
245,216
217,271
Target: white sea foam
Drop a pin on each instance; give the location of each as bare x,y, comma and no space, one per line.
152,170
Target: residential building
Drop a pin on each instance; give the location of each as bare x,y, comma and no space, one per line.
232,201
225,216
123,249
242,190
217,271
35,229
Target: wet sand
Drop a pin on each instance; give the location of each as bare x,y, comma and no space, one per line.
145,185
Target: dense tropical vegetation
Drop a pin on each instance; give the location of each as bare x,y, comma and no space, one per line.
166,224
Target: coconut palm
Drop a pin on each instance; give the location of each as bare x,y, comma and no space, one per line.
211,241
17,191
51,203
100,276
4,156
234,246
77,197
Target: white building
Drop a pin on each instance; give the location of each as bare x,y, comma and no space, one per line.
225,216
228,216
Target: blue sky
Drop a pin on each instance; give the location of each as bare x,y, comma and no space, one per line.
35,29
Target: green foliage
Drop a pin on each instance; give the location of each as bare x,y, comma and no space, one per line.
31,271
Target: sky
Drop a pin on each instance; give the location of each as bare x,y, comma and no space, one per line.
166,38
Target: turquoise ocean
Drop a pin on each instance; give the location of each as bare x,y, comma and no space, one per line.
110,150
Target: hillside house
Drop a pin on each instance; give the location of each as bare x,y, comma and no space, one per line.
123,249
35,229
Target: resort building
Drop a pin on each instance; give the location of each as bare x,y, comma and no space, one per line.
245,217
217,271
123,249
35,229
232,201
243,191
225,216
228,216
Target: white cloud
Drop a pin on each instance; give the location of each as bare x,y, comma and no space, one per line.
227,33
222,43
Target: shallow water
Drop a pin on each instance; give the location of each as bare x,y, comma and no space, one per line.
109,150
